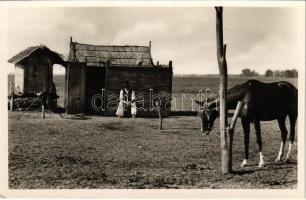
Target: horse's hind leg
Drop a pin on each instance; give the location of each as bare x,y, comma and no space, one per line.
284,133
259,142
292,118
246,131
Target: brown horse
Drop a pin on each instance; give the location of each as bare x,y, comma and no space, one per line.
260,102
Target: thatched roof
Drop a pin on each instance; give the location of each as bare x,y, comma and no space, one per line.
21,56
97,55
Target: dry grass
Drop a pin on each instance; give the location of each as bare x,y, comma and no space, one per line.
101,152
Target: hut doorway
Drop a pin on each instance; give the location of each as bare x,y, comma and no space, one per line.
59,73
95,82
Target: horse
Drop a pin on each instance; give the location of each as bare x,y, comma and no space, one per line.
260,102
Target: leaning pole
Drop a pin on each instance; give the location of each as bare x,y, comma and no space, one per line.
226,157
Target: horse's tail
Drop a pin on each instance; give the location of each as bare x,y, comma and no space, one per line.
293,113
292,93
295,105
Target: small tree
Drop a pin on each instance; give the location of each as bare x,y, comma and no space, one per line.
276,73
268,73
255,73
288,73
295,73
247,72
282,73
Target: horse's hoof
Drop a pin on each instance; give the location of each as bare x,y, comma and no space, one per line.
244,163
287,161
277,160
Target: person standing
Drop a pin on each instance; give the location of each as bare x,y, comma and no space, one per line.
127,105
133,104
120,109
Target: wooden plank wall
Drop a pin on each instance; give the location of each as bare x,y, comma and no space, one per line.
38,75
19,78
141,80
75,82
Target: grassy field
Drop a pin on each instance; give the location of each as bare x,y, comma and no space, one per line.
106,152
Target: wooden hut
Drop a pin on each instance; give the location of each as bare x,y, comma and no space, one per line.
96,74
34,69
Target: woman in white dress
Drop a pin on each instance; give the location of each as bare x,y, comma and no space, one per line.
133,104
120,109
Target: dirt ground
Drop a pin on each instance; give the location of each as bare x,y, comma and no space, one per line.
107,152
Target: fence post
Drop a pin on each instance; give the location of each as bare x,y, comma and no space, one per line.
226,158
43,111
11,96
160,119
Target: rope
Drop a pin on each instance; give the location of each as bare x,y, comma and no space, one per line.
226,130
216,134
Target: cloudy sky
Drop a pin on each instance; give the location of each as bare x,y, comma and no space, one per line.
257,38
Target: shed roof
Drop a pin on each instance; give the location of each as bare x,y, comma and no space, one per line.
55,57
97,55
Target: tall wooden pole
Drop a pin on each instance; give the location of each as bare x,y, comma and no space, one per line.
221,56
11,96
160,119
43,111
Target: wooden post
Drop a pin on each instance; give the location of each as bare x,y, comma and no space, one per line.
221,55
160,116
11,96
43,111
160,119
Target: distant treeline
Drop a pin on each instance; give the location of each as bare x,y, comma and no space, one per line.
288,73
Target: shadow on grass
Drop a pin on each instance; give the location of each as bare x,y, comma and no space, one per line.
273,164
181,129
243,172
268,166
79,117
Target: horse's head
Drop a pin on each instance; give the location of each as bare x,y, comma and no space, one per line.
208,116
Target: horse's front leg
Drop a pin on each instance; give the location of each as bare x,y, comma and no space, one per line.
259,142
246,130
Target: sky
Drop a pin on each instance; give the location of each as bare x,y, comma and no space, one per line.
256,38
